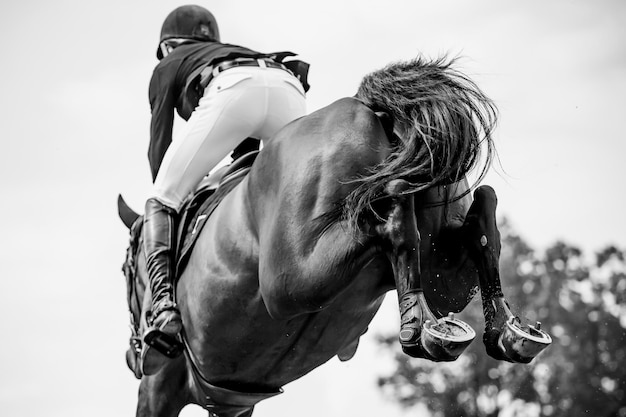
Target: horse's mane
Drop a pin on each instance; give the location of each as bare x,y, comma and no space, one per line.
444,123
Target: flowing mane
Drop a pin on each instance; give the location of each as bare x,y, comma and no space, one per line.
442,120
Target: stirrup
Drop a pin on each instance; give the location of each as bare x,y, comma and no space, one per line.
164,343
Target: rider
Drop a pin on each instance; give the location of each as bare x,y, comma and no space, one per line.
227,93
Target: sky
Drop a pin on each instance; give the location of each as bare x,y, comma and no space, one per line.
75,116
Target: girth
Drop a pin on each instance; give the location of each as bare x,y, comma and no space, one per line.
216,399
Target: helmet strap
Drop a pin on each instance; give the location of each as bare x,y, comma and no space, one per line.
168,45
165,48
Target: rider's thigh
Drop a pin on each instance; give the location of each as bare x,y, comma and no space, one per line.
286,102
227,114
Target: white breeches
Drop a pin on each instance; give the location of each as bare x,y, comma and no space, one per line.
238,103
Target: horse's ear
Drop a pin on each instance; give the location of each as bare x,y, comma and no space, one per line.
387,121
127,214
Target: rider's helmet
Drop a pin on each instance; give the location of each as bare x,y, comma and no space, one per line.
185,23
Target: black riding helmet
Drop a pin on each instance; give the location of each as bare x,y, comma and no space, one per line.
189,22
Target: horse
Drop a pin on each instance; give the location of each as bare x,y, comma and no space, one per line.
364,196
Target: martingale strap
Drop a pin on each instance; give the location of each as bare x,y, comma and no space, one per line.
129,268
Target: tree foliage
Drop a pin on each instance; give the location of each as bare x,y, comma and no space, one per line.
582,304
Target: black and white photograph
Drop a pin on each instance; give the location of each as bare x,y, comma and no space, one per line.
236,208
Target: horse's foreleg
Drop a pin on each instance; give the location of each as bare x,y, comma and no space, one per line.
504,338
422,334
164,394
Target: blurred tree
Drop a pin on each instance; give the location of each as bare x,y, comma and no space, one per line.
583,373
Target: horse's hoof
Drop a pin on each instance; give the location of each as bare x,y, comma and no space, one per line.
446,339
515,343
523,344
442,341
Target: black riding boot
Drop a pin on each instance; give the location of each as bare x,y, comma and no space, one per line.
159,240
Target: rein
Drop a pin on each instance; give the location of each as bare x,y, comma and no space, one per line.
130,272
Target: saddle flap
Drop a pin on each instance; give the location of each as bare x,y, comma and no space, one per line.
201,205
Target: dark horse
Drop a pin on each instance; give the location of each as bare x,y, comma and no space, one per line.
361,197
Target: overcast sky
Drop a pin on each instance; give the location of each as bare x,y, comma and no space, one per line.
75,116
